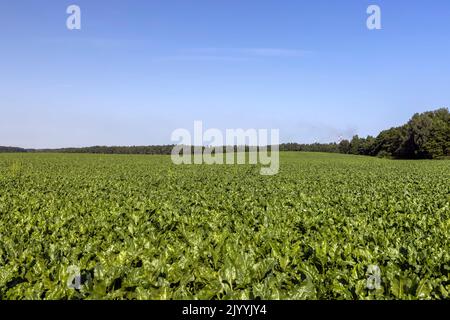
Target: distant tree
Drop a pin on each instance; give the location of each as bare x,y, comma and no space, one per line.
344,146
429,134
367,146
355,145
389,141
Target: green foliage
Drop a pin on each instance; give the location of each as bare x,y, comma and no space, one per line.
314,147
11,149
425,136
139,227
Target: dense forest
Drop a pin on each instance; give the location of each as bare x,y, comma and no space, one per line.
424,136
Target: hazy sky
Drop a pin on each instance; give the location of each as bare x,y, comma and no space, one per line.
137,70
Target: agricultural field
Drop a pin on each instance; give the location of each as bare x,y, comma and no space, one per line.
139,227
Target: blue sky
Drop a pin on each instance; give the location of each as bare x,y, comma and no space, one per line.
137,70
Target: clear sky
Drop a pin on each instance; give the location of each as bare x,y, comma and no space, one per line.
137,70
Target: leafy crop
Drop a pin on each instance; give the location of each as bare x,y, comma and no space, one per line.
139,227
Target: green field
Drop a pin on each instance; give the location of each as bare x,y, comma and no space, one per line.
139,227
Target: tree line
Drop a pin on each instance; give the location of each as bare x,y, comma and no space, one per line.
425,136
12,149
